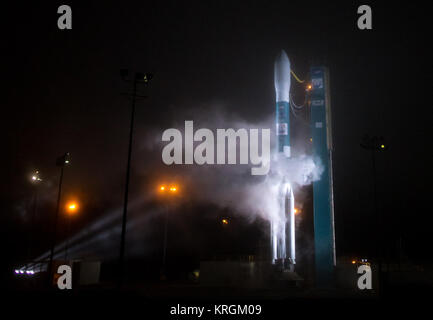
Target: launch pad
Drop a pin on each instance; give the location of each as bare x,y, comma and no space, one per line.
278,268
248,274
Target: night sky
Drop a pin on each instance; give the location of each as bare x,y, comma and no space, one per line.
63,93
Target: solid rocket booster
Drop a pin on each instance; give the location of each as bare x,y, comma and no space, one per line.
282,91
291,225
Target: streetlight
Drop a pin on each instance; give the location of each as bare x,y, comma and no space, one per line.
60,162
170,191
36,177
375,144
35,180
71,209
139,77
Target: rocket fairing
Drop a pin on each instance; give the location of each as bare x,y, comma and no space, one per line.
282,95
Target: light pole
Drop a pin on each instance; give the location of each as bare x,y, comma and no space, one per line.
375,144
171,191
61,162
138,78
35,180
71,209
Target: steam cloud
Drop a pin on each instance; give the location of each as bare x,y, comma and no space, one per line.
223,185
232,185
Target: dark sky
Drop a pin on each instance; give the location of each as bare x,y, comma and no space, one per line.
63,93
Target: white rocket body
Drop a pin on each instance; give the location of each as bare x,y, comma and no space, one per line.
283,224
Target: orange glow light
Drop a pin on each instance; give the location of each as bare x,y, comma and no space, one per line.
72,207
225,221
353,261
163,188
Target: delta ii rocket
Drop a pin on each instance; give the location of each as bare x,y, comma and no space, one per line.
283,226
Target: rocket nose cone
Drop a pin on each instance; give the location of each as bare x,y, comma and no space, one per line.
282,57
282,61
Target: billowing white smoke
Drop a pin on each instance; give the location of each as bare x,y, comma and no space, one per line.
233,185
254,197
